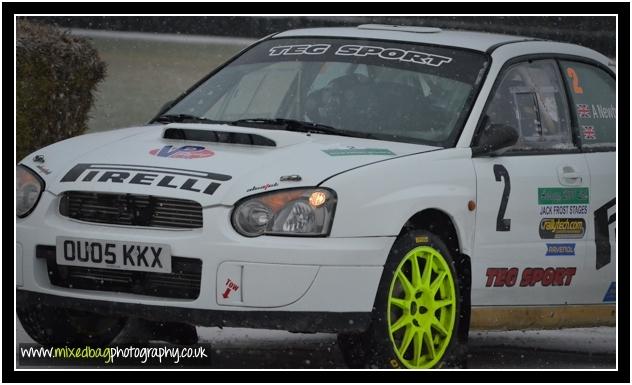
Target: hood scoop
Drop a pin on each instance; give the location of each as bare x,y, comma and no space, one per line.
214,136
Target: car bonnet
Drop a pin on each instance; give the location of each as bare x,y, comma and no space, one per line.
229,164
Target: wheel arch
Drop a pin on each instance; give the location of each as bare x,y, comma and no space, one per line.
443,225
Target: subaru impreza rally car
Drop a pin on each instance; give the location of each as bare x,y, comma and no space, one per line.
395,185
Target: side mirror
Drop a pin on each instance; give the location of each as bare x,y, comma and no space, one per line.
494,138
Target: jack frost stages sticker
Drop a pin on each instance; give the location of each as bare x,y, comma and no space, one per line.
362,50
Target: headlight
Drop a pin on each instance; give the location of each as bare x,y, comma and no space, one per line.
305,212
28,189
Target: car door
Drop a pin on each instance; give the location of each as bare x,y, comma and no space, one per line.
532,200
592,90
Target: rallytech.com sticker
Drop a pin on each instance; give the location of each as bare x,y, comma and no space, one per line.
357,151
560,228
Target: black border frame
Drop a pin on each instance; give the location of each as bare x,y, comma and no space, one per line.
490,376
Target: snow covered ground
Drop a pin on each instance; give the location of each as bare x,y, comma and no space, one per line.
586,348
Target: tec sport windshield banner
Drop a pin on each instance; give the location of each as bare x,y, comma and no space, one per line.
460,64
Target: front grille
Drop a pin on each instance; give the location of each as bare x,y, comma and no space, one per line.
183,282
131,210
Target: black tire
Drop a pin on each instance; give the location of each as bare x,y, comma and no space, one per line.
374,348
51,326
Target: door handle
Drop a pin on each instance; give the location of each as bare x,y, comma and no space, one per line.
569,177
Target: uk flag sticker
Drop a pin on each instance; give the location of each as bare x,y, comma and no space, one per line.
589,132
583,111
184,152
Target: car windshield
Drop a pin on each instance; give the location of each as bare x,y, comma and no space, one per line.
378,89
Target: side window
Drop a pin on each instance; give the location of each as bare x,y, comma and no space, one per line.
593,92
531,99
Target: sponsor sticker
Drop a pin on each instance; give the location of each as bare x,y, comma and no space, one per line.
560,249
531,276
291,178
422,239
43,169
184,152
299,49
560,228
361,51
563,195
164,177
357,151
560,210
264,187
611,294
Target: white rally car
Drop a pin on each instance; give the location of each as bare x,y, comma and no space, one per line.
391,184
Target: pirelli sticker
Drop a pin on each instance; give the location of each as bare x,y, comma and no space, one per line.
562,228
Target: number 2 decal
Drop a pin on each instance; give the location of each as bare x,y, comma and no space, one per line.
503,224
573,75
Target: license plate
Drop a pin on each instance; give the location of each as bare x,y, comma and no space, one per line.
119,255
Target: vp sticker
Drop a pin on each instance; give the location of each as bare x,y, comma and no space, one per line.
184,152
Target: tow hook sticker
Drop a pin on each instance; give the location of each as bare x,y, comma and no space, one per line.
229,287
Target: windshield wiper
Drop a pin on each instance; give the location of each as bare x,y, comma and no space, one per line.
298,126
183,118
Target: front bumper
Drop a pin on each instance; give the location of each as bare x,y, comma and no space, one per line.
300,322
275,275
